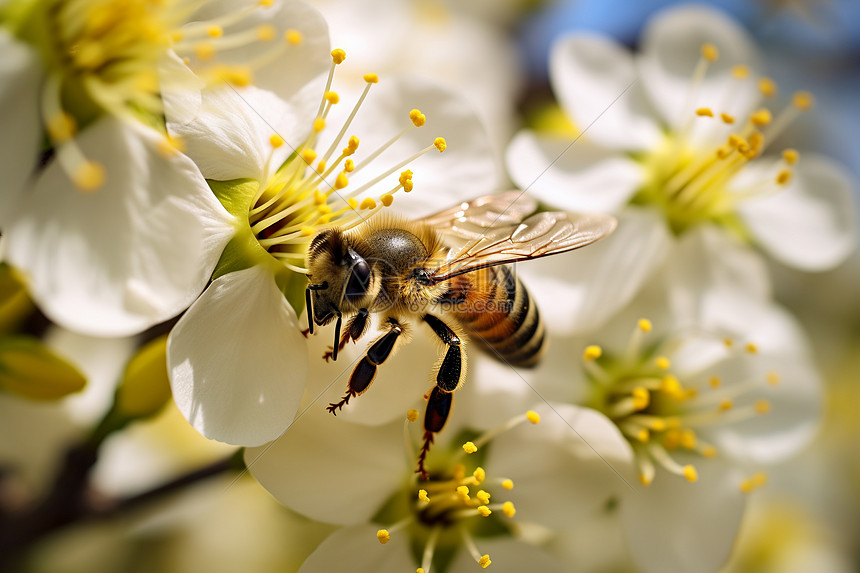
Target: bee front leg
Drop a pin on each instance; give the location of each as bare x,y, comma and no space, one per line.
355,329
365,371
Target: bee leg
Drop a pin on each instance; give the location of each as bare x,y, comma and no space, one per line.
451,371
355,329
365,371
435,416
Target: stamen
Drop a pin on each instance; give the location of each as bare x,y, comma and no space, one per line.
470,448
767,87
417,119
430,548
482,560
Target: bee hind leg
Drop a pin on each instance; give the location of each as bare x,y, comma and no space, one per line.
435,416
365,371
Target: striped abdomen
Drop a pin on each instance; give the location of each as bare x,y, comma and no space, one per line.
495,308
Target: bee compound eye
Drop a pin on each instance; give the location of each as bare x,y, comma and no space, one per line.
359,280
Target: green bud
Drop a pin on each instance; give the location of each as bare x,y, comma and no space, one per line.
15,303
30,369
144,388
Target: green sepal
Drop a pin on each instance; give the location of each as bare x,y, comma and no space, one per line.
15,301
145,386
31,370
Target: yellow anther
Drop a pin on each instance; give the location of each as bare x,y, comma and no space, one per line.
727,119
751,348
704,112
709,451
204,50
371,78
641,398
405,176
662,363
61,127
790,156
728,342
368,203
734,140
422,496
508,509
321,166
387,199
331,97
644,325
483,497
319,124
90,176
440,144
342,181
418,118
324,209
308,155
759,479
214,31
176,36
484,561
592,352
710,52
783,177
351,145
383,536
319,197
293,37
715,381
479,474
420,570
762,407
645,480
266,3
773,378
803,100
671,385
688,439
325,219
508,484
767,87
761,117
239,76
266,33
349,166
740,72
756,140
533,417
723,152
484,511
726,405
643,435
338,56
352,202
672,439
408,186
276,140
747,486
412,415
463,491
690,473
308,231
470,448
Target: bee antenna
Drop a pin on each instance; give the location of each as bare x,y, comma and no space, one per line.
309,303
336,338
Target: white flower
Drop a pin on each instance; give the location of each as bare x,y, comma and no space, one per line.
357,475
286,170
117,231
673,141
705,395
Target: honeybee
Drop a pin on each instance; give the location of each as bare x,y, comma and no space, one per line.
448,271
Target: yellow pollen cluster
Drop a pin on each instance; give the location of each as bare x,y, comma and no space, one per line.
767,87
710,52
533,417
592,352
338,56
644,325
293,37
470,448
440,144
508,484
412,415
371,78
331,97
484,561
422,496
756,481
704,112
383,536
418,118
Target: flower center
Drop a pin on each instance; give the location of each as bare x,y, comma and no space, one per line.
693,181
308,192
662,413
447,510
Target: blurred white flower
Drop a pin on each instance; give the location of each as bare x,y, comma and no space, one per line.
356,475
237,359
673,143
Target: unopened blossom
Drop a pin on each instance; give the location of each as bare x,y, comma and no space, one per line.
676,139
287,170
114,226
363,478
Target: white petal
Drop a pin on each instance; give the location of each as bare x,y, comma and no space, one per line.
673,525
133,253
468,168
811,224
671,47
228,138
508,556
567,466
573,176
20,129
331,470
705,259
295,66
237,360
595,80
581,291
356,549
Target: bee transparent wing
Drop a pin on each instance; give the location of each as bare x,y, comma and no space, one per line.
540,235
470,220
